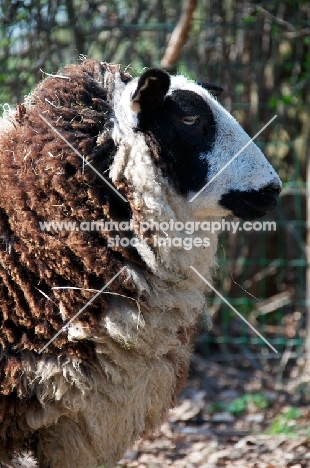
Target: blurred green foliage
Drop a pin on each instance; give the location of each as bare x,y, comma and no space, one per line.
286,423
242,404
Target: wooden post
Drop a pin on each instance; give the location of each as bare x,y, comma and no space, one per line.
179,35
308,260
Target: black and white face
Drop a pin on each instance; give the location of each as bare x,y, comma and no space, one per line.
197,137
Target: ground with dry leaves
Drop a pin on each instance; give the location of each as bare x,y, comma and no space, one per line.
231,415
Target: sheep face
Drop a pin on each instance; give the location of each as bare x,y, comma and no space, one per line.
197,137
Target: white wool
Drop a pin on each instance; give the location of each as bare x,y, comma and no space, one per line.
100,412
6,121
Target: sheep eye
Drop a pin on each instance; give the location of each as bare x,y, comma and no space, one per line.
190,119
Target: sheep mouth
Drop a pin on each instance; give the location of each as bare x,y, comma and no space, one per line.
252,204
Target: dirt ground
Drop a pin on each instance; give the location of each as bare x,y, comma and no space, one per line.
233,416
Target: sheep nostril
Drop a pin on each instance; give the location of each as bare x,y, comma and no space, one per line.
273,188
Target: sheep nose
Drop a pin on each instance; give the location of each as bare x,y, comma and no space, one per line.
274,189
269,195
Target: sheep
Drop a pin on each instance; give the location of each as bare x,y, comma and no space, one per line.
94,144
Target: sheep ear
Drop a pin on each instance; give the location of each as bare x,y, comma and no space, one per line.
151,90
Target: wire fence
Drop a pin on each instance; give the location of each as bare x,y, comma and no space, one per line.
260,54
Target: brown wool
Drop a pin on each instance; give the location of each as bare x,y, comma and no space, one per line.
34,189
